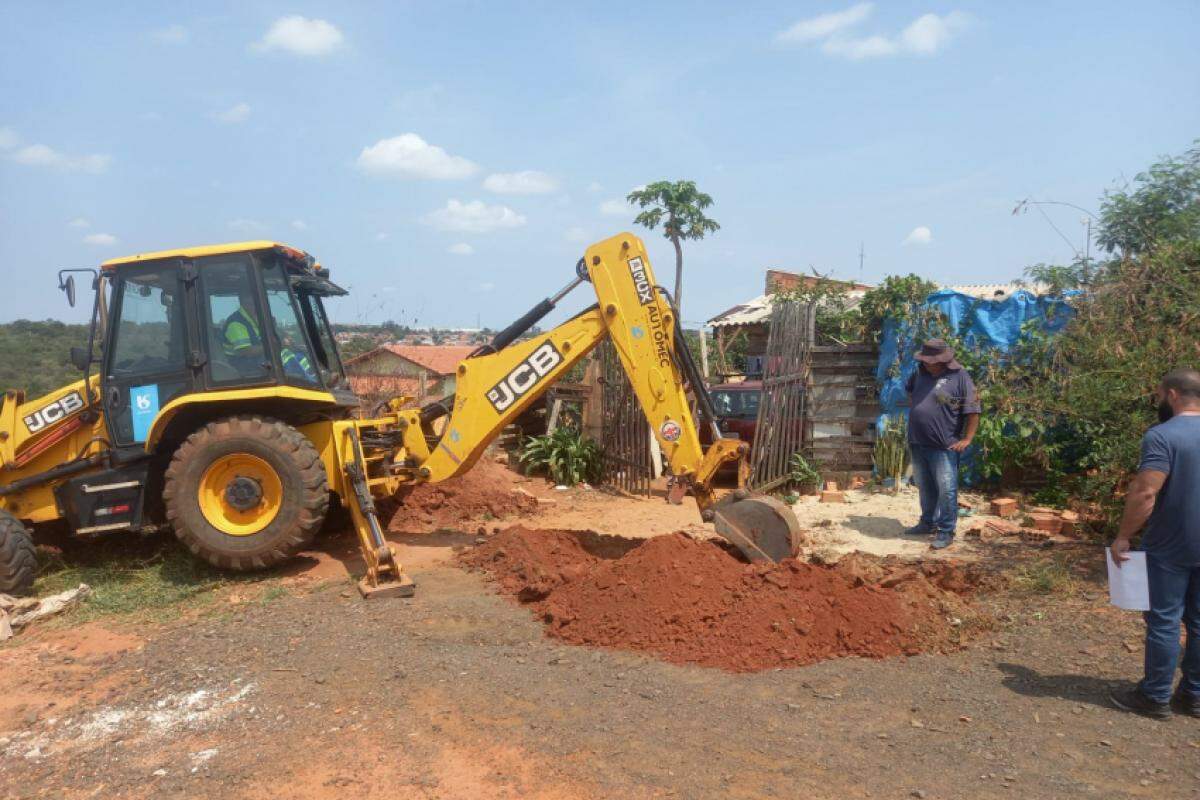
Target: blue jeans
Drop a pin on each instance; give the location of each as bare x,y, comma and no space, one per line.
936,472
1174,597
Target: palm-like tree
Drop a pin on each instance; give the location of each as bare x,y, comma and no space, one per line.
679,208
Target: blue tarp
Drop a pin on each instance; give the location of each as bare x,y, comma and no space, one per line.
983,324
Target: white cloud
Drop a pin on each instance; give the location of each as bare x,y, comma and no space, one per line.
410,156
8,139
920,235
79,222
858,49
594,188
526,182
460,249
150,116
473,217
299,225
929,33
234,114
824,25
100,239
381,237
40,155
577,235
301,36
172,34
246,225
485,287
615,208
924,36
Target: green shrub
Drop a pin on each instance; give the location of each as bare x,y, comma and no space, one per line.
891,450
566,455
802,473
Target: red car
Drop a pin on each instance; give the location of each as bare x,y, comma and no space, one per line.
736,406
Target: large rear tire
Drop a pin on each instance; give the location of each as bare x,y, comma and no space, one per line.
18,558
246,493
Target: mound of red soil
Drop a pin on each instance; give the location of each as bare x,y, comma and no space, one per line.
485,492
695,602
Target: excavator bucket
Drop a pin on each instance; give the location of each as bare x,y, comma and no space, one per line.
763,528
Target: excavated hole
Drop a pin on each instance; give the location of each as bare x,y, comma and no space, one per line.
691,601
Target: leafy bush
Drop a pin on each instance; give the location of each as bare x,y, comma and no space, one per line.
566,455
802,473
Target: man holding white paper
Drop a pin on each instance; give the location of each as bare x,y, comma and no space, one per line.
1164,498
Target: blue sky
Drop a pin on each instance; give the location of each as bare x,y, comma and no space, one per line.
449,161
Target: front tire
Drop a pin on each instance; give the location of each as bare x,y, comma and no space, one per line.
18,558
246,493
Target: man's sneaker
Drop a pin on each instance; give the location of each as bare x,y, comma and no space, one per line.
1184,703
920,529
942,541
1133,700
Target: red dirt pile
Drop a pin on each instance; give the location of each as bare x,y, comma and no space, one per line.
486,491
695,602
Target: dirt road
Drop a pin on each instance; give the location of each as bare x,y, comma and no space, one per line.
458,694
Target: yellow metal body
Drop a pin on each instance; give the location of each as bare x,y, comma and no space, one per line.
492,390
40,433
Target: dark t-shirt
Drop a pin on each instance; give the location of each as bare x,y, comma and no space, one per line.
1173,531
938,406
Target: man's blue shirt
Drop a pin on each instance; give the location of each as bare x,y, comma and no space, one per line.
1173,531
938,406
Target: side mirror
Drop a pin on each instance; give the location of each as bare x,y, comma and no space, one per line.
79,357
68,286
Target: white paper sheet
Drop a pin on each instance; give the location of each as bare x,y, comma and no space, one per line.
1128,585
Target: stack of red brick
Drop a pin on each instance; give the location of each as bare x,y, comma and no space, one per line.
1041,524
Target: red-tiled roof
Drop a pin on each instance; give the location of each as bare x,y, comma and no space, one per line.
370,386
439,359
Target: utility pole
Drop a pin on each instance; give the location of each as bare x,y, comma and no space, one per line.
703,353
862,256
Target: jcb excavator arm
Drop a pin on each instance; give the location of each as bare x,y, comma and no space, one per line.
493,388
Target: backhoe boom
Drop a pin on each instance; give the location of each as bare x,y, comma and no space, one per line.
493,388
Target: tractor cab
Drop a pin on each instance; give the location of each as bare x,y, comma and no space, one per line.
209,319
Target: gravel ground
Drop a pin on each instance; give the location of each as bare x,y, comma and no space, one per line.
456,693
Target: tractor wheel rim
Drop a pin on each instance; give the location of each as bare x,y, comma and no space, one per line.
227,477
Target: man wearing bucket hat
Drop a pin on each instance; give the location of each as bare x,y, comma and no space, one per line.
942,420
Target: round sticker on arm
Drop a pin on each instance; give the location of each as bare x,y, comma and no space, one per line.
670,430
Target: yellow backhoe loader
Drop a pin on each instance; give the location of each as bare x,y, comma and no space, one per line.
213,400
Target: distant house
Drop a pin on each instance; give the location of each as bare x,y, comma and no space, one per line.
752,318
419,371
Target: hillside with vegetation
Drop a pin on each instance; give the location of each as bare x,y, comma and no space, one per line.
35,356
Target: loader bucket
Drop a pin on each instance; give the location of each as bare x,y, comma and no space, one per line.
763,528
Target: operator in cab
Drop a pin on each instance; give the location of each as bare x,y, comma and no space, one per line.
241,339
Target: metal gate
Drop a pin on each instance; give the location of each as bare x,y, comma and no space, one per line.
779,433
625,434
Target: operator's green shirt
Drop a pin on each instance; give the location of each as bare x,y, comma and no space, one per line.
241,332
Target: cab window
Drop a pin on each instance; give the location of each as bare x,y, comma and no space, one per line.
150,332
233,322
735,404
326,349
295,356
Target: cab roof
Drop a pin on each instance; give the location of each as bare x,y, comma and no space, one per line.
211,250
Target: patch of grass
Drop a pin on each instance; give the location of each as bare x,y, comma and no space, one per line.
1047,576
157,577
